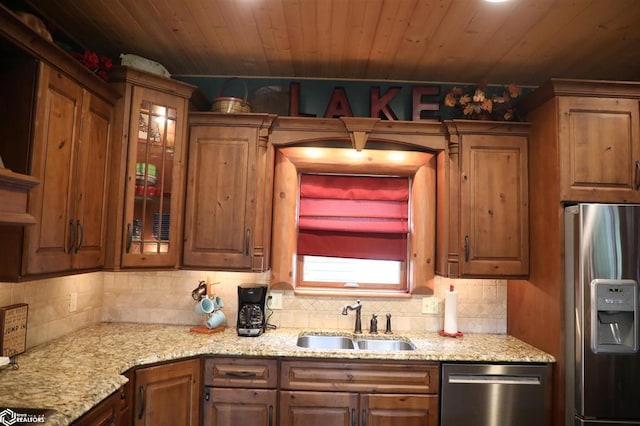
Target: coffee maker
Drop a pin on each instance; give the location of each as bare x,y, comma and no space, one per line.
252,319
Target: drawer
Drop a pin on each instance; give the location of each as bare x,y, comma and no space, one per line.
241,372
383,377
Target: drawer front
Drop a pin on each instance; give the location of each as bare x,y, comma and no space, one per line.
241,372
361,377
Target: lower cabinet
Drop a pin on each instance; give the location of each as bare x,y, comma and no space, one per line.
358,393
168,394
279,391
107,413
310,408
240,391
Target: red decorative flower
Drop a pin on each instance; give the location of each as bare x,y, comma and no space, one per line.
100,65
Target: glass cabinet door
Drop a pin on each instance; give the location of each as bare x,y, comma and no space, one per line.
155,185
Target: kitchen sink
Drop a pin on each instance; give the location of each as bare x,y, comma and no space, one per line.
325,342
321,341
384,345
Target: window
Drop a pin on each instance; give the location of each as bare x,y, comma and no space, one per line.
415,268
349,226
350,272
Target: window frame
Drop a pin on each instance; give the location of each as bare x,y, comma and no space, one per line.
420,166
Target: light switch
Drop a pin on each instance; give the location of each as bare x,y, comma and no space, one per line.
430,305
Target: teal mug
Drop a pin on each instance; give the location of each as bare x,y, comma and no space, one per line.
205,306
215,319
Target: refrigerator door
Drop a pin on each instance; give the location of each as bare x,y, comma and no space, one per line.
603,264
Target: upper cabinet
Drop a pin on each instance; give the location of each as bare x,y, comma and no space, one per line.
56,119
148,171
228,208
68,152
70,156
590,131
483,209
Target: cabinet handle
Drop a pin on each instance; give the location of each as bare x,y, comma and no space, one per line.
241,374
637,177
271,415
129,237
142,402
466,248
247,240
80,232
353,417
72,236
364,418
207,395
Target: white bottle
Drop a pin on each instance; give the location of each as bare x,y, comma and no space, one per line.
451,311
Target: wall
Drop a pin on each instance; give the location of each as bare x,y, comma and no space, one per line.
165,297
48,300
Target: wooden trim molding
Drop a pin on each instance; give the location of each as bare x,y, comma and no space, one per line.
14,190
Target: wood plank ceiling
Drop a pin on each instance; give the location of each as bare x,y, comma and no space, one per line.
522,41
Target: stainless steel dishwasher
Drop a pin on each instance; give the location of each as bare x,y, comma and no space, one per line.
495,395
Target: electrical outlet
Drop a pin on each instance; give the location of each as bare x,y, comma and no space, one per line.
73,302
430,305
275,300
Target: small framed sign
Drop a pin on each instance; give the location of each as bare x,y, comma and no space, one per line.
13,329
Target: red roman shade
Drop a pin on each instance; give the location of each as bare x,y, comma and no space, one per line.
364,217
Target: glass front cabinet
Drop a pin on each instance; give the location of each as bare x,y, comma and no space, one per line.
152,172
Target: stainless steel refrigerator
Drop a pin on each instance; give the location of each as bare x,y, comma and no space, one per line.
602,251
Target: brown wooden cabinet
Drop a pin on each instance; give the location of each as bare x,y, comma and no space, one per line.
148,170
70,154
228,208
483,207
240,391
599,149
318,393
56,121
168,394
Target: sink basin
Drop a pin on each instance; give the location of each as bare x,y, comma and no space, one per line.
319,341
384,345
325,342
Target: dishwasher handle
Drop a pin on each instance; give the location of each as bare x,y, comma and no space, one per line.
494,379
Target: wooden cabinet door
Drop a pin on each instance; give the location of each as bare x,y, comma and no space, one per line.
71,156
318,408
154,184
168,394
91,184
599,148
494,233
398,409
246,407
57,126
221,197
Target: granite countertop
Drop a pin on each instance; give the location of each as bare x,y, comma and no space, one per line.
75,372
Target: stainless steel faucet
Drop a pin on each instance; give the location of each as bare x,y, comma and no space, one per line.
355,307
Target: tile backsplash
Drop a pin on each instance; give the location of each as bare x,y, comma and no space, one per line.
165,297
48,300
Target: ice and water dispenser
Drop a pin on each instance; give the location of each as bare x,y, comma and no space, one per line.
614,316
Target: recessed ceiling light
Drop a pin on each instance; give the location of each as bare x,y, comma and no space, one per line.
497,1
